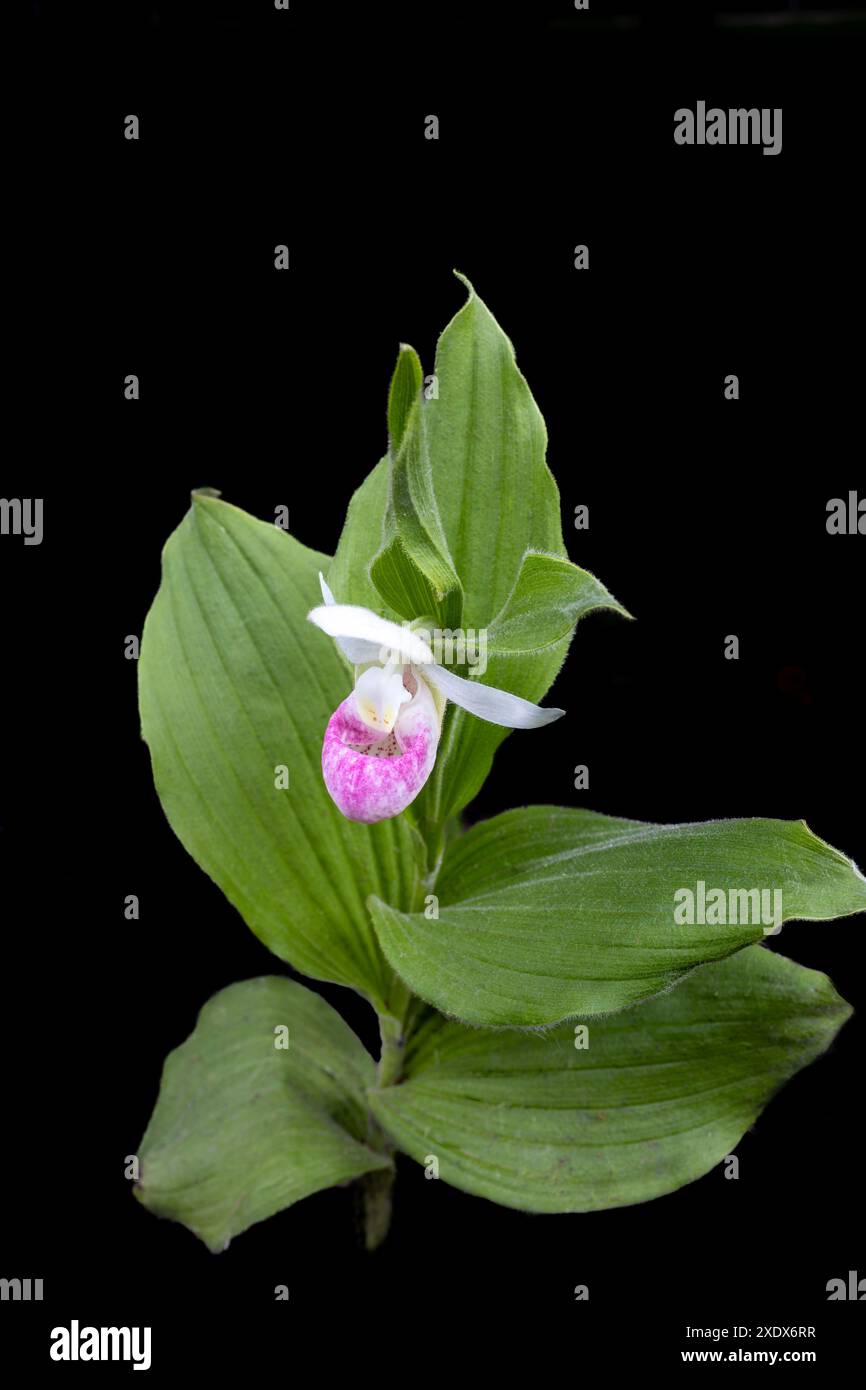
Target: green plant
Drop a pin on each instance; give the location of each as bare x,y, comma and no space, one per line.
479,950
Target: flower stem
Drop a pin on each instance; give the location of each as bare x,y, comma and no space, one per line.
376,1189
375,1201
393,1050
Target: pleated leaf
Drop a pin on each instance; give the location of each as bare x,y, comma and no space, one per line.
261,1106
548,913
412,571
498,518
360,539
496,496
525,647
235,686
658,1097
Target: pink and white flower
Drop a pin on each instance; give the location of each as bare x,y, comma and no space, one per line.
381,742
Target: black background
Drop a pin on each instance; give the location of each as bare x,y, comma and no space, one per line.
707,518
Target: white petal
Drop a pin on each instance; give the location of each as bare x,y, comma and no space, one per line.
485,701
382,639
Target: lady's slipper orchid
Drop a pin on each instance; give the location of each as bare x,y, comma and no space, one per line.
380,744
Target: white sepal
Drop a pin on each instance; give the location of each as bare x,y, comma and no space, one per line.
326,593
354,649
382,640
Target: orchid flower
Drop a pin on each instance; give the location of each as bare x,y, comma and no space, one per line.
380,744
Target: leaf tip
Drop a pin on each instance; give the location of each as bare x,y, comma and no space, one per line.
613,605
464,280
845,859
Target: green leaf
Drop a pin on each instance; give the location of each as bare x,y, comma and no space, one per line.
497,517
494,496
526,645
361,539
243,1127
234,683
499,508
413,571
547,913
405,389
487,441
550,597
658,1097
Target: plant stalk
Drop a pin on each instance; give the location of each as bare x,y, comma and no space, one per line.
376,1189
